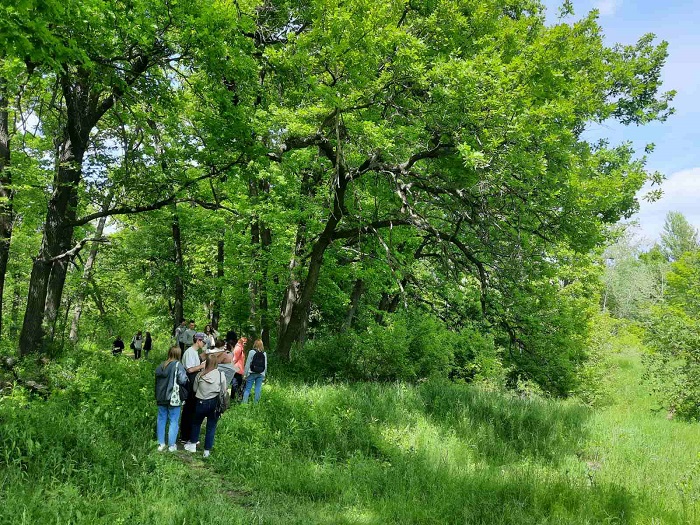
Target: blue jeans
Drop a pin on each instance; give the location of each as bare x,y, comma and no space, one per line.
173,415
205,408
258,380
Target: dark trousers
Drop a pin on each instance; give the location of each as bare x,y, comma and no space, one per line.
237,387
188,411
137,353
182,346
206,408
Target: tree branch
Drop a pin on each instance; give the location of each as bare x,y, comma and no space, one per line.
77,248
368,228
126,210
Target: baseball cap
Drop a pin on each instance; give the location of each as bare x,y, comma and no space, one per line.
200,335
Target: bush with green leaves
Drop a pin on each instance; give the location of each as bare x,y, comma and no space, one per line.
673,336
410,347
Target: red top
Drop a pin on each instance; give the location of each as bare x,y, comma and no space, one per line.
239,358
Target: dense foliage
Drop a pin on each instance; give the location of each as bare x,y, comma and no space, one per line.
385,190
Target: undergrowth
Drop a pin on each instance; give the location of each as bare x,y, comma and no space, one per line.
437,452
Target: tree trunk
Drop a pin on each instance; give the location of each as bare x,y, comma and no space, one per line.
16,302
297,307
65,322
84,107
291,293
389,303
87,275
178,309
253,282
58,233
6,193
216,308
54,290
265,243
357,291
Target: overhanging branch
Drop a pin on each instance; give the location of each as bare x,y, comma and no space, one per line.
77,248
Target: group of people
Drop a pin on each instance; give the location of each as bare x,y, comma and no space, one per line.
184,335
139,343
189,386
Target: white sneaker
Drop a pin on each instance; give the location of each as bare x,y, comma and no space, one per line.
206,453
162,447
190,447
172,448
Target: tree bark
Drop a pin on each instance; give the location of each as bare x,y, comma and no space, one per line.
178,309
298,298
261,238
265,243
54,290
87,275
16,302
357,290
253,282
6,193
216,307
58,234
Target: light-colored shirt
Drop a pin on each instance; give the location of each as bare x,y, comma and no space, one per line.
190,358
188,336
180,333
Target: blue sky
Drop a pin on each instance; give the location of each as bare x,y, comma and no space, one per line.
677,152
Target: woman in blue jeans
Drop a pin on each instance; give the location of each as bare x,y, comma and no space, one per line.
169,376
207,385
255,370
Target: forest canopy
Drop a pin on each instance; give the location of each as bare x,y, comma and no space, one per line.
380,189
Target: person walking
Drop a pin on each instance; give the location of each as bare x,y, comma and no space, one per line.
147,344
179,334
255,370
170,374
188,335
191,363
207,385
212,336
137,344
239,368
117,346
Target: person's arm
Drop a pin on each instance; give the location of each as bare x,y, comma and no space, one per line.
181,375
197,368
191,365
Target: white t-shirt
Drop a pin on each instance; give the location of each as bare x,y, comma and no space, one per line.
191,357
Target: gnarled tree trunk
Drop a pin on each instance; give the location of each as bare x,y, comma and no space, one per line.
58,234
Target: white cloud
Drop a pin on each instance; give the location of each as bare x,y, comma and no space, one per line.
681,193
607,7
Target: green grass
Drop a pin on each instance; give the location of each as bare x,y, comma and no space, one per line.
364,453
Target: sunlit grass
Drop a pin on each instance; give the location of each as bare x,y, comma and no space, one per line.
363,453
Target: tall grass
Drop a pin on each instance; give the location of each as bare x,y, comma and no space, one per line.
363,453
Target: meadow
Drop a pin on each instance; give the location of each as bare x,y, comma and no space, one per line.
436,452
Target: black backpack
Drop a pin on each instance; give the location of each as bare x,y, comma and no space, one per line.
257,365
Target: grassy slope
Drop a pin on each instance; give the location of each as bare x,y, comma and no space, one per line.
437,453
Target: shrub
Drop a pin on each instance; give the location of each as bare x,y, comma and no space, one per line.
411,347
